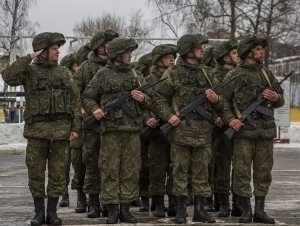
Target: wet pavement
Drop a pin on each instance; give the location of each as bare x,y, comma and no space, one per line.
16,204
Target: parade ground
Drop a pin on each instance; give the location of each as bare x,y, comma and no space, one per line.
16,204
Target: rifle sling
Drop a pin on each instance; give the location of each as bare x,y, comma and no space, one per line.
135,75
266,76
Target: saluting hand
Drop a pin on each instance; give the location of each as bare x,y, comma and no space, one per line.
35,54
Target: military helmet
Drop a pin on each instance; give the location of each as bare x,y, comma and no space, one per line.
119,46
46,39
223,48
163,50
189,41
82,53
208,56
102,37
144,62
247,43
68,60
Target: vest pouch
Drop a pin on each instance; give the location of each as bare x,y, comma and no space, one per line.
34,103
27,117
42,83
59,104
268,124
67,98
44,100
118,119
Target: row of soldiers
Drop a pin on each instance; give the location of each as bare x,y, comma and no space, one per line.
111,159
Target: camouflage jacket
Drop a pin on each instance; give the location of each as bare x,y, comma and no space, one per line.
183,84
108,84
50,92
220,73
84,75
243,91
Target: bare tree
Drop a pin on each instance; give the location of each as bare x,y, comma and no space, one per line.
135,26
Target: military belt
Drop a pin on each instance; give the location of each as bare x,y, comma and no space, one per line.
50,117
196,116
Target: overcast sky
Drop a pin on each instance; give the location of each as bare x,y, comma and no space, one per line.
61,15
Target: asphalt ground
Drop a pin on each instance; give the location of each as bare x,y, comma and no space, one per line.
16,204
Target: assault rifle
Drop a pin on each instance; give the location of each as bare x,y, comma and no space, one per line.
255,106
195,106
120,101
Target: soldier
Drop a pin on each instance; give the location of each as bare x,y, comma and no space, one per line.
163,56
119,160
226,55
210,204
52,118
76,147
252,144
91,136
190,139
145,67
68,61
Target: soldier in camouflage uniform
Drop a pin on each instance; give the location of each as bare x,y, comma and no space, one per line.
91,136
209,59
120,157
226,55
160,166
145,67
83,53
252,144
68,61
52,118
190,139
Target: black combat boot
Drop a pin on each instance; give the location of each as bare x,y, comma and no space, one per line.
259,213
224,205
64,202
113,213
81,201
189,200
236,207
39,208
125,215
144,204
181,210
52,218
136,203
94,206
105,210
200,215
153,205
172,210
216,201
246,216
159,206
209,204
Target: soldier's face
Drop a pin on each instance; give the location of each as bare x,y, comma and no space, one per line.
258,53
126,57
199,52
74,67
235,59
167,61
53,53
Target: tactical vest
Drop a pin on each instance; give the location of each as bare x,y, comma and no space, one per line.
49,93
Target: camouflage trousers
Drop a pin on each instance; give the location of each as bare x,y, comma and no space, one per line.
160,168
90,157
120,162
223,155
195,159
38,152
68,167
79,168
258,153
144,171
